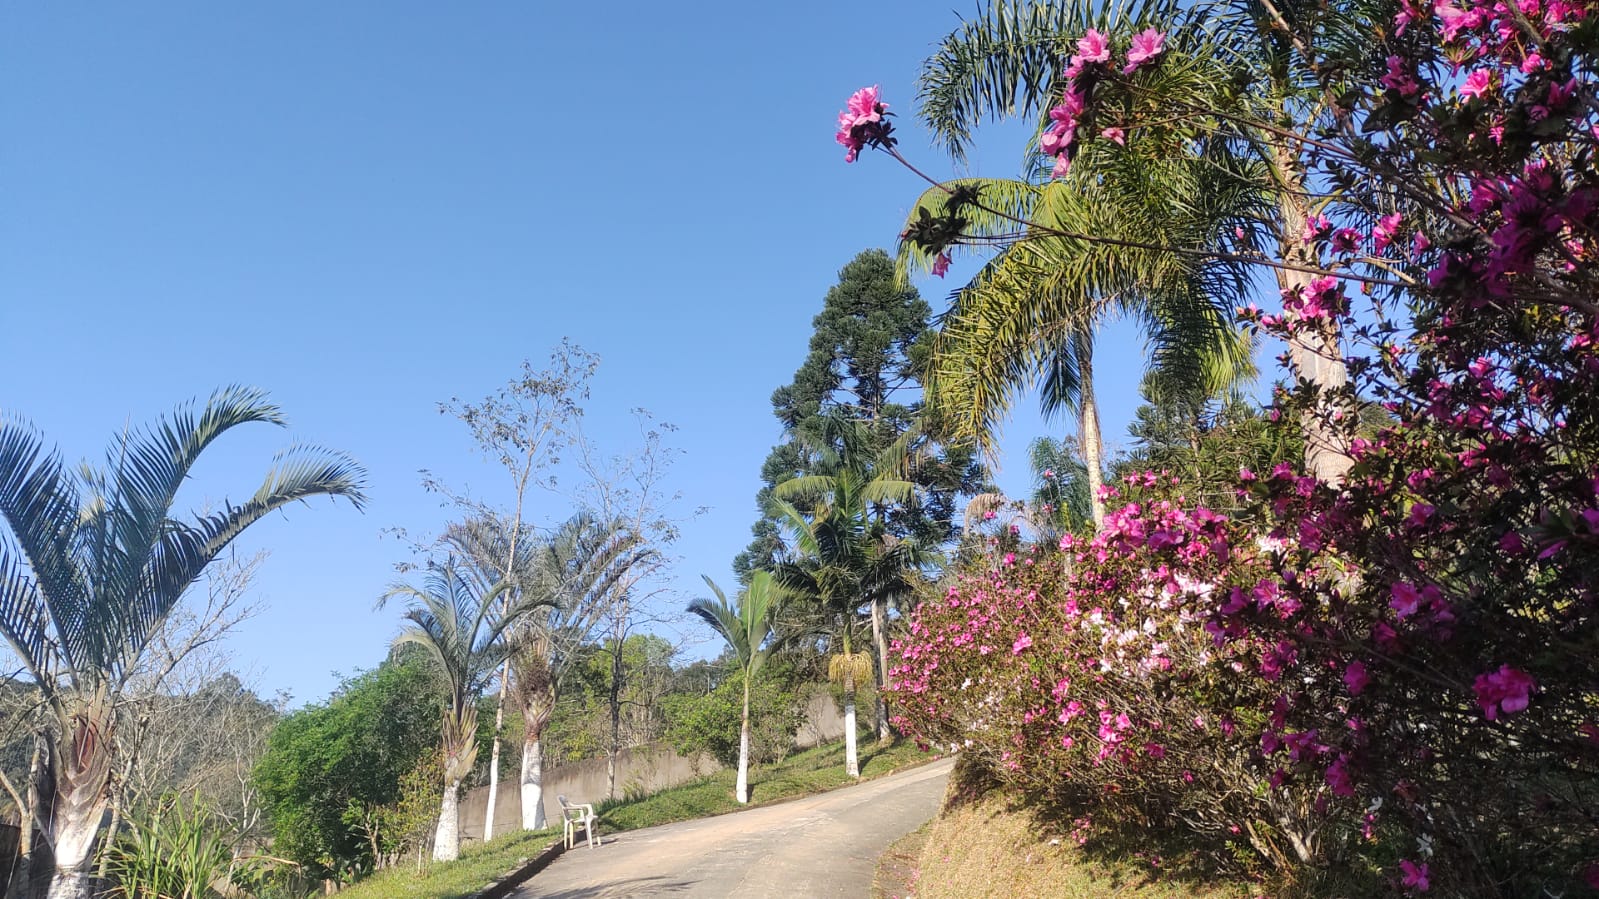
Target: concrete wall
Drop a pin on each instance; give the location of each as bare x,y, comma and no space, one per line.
640,771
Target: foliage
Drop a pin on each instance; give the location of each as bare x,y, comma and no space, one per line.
1406,637
1084,679
351,751
93,565
177,853
866,354
710,723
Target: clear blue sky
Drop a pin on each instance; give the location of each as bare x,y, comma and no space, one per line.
366,208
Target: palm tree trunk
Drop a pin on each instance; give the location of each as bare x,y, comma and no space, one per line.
82,788
852,760
880,642
1316,354
447,838
744,746
494,754
1088,425
537,707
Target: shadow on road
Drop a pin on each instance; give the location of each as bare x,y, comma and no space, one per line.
638,886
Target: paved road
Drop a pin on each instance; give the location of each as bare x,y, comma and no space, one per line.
821,846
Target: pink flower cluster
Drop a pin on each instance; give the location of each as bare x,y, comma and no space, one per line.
861,118
1089,65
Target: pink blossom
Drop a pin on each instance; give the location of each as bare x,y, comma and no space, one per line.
1346,240
1398,79
1338,777
1093,47
1382,234
1415,876
1147,45
1115,135
1355,678
1021,644
1406,599
864,107
1507,690
941,264
1478,83
1316,227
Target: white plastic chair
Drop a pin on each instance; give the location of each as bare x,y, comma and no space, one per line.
575,815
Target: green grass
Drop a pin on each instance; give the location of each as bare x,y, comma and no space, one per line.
479,864
803,773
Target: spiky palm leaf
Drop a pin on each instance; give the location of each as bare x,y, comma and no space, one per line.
96,560
746,624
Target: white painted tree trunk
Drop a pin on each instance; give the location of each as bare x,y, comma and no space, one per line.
744,749
852,758
533,784
75,829
880,643
494,792
447,838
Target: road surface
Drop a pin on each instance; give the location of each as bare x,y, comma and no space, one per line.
820,846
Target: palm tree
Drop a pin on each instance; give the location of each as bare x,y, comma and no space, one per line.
1193,108
848,557
94,565
1031,315
747,628
461,629
578,572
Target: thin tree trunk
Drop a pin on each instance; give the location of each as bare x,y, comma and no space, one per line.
1088,424
533,782
744,747
616,718
28,815
1315,353
852,759
880,642
447,838
494,754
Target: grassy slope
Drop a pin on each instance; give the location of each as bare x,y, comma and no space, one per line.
984,848
812,771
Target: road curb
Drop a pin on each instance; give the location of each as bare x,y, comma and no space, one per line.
501,888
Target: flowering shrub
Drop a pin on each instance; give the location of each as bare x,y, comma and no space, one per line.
1086,678
1406,660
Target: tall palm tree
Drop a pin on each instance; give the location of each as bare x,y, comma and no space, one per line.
1193,107
580,572
1031,315
747,628
462,631
95,563
847,555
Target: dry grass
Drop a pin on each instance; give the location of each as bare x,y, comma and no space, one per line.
986,848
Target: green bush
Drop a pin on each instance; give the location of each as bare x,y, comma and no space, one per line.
710,723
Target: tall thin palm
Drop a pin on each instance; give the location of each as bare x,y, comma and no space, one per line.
747,628
461,630
842,541
94,564
1009,59
1032,314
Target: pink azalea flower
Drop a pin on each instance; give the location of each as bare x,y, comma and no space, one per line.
1115,135
1382,234
941,264
1506,690
1316,227
1093,47
1063,164
1147,45
1415,876
1346,240
1021,644
864,107
1478,84
1356,678
1406,600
